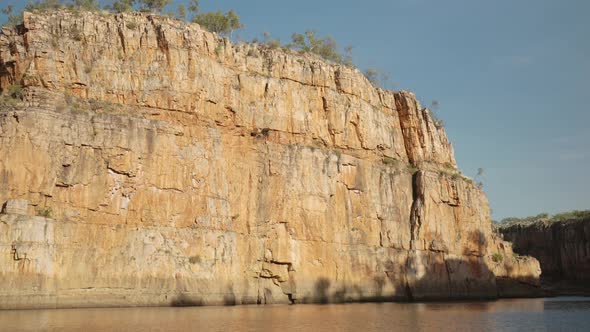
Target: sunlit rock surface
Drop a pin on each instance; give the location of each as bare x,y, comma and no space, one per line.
161,165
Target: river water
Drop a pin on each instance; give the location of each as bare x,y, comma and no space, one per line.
550,314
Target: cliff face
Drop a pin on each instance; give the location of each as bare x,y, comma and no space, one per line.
169,167
562,248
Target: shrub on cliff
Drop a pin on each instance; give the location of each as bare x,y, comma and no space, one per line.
121,6
218,22
153,5
13,20
90,5
43,5
544,217
372,75
325,47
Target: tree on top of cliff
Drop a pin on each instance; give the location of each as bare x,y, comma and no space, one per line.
154,5
574,215
44,5
218,22
12,19
122,6
376,76
85,4
325,47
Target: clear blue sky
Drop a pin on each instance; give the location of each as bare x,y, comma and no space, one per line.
512,78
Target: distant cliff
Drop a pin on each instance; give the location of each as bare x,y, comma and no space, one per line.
562,247
145,161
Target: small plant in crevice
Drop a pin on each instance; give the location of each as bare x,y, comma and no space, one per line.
390,161
412,169
76,34
12,95
219,50
131,25
497,257
194,259
45,212
15,91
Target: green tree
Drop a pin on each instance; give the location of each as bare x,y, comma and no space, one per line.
155,6
44,5
219,22
372,75
193,6
348,56
325,47
13,20
90,5
122,6
181,12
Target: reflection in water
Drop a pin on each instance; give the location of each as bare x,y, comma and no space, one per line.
568,313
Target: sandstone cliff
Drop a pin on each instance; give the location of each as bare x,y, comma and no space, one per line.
562,248
153,163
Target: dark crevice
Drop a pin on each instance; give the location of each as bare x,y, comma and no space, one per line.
416,212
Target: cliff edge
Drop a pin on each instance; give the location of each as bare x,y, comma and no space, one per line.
562,248
145,161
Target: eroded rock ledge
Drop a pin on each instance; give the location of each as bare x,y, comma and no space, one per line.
162,165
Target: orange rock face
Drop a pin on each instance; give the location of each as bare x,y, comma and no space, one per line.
163,165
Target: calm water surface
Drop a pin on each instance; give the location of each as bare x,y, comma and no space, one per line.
552,314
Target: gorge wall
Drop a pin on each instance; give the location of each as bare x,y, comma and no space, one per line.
562,248
150,162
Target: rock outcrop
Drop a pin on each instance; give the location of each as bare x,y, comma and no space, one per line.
562,248
162,165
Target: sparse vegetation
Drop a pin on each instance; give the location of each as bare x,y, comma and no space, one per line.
76,34
181,12
121,6
438,123
13,20
269,42
376,77
12,95
15,91
497,257
309,42
545,217
218,22
434,105
390,161
372,75
131,25
219,50
154,6
45,212
194,259
412,169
